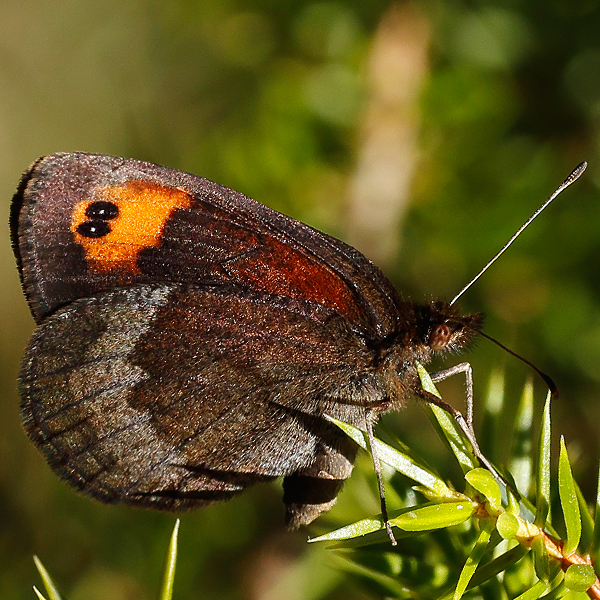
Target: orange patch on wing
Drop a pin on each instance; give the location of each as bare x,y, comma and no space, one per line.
144,208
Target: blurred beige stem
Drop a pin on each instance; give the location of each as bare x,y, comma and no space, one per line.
388,144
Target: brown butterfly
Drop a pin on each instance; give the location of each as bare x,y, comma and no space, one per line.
190,340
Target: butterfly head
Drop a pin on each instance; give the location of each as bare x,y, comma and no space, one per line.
438,328
448,330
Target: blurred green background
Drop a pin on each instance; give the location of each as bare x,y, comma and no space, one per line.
423,133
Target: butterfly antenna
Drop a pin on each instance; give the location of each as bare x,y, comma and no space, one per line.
547,379
564,185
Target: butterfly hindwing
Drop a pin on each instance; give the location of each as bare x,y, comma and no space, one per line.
173,395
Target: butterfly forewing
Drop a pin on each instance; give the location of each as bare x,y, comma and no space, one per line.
170,226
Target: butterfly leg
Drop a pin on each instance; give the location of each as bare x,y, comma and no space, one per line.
371,417
465,424
455,370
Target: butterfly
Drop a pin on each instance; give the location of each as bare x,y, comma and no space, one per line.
190,341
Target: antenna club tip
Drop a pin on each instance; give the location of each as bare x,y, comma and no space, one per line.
552,387
577,172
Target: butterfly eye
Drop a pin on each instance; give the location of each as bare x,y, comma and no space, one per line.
440,336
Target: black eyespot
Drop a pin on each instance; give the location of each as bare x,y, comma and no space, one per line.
102,210
93,229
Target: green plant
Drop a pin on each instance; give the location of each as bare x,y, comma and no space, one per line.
483,542
166,585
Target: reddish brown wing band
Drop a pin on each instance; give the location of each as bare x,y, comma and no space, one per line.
190,340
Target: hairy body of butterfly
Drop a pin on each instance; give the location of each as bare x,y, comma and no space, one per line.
190,339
